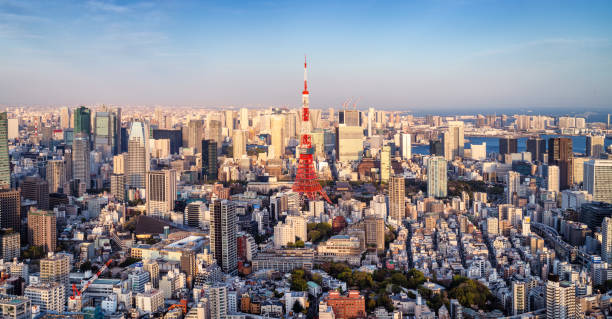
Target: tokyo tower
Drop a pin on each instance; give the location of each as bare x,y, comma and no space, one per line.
306,182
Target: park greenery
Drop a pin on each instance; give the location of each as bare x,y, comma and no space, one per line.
318,232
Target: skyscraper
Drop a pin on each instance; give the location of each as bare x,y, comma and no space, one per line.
508,145
218,301
406,146
10,209
606,240
278,136
80,159
214,132
436,177
552,178
597,179
209,160
244,118
560,154
56,175
375,232
397,199
519,297
5,168
36,189
138,156
561,300
371,115
223,234
161,191
195,133
42,229
537,147
82,121
64,117
239,144
385,163
595,145
453,140
513,183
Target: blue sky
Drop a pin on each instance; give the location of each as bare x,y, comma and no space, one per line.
412,55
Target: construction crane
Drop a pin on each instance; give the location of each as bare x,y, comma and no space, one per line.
75,302
182,304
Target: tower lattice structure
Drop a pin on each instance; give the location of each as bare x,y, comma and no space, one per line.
306,182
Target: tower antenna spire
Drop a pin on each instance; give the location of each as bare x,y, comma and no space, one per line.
305,76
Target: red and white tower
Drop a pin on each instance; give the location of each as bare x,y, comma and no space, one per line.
306,182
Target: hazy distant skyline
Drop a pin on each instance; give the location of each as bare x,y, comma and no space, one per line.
416,55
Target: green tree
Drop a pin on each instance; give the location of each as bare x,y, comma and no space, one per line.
297,307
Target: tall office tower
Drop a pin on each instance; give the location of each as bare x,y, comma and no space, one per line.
80,159
223,234
508,145
161,191
436,148
349,143
553,178
453,140
560,154
10,209
397,199
244,119
56,175
175,137
595,146
239,142
82,121
537,147
385,163
561,300
195,133
519,297
371,115
13,129
291,124
606,240
278,136
103,132
209,160
42,229
228,119
436,177
330,115
213,132
64,117
138,156
36,189
118,186
375,232
349,118
118,146
406,146
598,179
56,268
48,297
578,169
5,167
119,163
513,182
217,301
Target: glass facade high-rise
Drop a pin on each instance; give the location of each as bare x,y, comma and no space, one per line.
223,234
82,120
560,153
209,160
436,177
5,168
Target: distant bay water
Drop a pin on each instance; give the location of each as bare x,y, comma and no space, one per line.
578,144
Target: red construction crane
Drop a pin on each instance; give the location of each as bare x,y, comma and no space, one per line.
77,294
182,304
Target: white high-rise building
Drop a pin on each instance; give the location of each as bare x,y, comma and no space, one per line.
385,163
453,140
283,234
244,118
47,296
598,180
278,136
519,298
80,159
406,146
479,151
371,116
606,240
138,155
561,300
397,199
552,178
239,142
436,177
299,225
492,226
217,301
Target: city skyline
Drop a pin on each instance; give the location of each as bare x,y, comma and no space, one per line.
417,56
